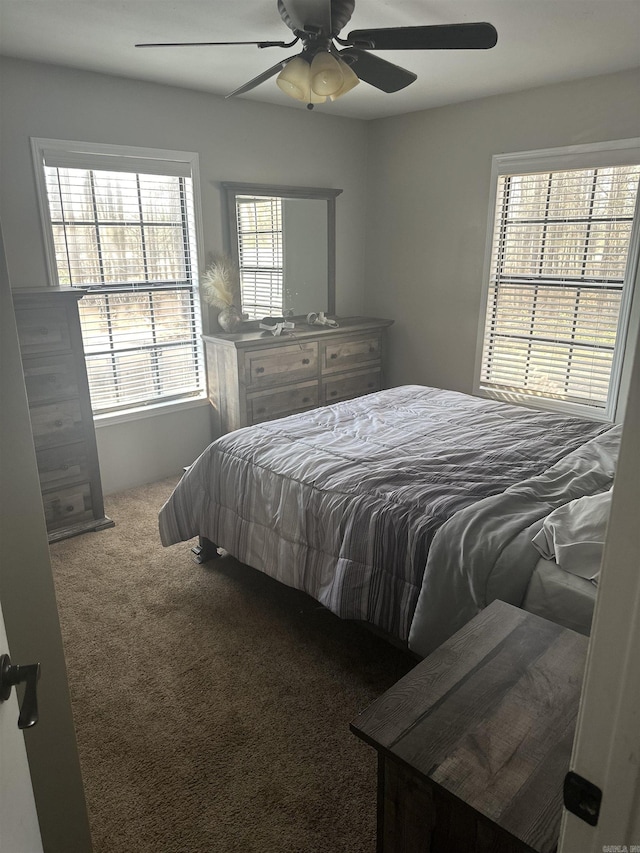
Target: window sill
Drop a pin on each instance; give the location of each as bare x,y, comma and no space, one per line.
112,418
545,404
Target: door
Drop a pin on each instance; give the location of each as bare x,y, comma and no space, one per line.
27,598
607,746
19,830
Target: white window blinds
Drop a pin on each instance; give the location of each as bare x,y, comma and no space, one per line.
260,254
559,259
129,238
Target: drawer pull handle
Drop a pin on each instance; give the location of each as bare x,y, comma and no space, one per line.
333,394
259,369
43,330
334,355
305,361
64,467
261,410
305,399
372,349
370,385
69,508
58,423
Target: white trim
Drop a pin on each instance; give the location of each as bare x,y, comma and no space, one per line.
151,411
606,744
619,152
486,275
630,277
95,155
613,153
533,401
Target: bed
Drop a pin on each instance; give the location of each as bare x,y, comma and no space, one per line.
410,509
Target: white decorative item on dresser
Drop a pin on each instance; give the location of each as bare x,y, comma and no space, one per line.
253,376
60,409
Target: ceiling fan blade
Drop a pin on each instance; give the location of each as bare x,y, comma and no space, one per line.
478,36
217,43
275,69
378,72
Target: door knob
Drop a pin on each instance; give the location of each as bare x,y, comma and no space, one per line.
10,675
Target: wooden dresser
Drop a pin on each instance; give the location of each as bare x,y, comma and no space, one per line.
60,409
253,376
474,743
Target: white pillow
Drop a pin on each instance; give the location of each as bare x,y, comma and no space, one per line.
573,535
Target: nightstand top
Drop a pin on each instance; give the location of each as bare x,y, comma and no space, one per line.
489,717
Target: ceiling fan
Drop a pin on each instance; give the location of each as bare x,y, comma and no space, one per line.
330,66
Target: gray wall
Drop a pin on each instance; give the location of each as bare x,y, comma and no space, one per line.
411,221
236,140
429,177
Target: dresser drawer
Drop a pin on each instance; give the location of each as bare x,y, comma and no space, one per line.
64,507
343,353
58,423
277,404
348,387
43,330
280,365
50,378
60,465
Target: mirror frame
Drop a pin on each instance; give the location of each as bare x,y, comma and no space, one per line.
230,233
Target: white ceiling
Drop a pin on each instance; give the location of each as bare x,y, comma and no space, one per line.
539,42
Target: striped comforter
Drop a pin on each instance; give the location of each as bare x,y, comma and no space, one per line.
344,502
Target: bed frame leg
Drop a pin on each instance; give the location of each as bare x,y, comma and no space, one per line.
205,550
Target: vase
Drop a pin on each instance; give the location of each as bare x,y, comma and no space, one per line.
230,319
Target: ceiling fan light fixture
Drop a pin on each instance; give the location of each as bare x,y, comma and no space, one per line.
295,79
326,74
350,80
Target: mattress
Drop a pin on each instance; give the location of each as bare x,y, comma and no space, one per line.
560,596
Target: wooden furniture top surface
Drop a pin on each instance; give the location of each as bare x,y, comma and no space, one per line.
490,718
28,294
347,325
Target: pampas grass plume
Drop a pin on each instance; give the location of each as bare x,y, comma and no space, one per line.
220,281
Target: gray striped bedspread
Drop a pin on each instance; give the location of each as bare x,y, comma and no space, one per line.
355,503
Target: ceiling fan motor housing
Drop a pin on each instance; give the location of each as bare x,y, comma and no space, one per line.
296,18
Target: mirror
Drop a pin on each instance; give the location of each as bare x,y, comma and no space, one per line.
283,240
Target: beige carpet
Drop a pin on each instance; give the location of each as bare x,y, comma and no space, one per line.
212,704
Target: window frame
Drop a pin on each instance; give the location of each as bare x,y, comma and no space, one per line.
623,152
124,158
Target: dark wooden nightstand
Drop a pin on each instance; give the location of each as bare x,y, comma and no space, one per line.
474,743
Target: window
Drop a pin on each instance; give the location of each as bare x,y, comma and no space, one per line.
122,226
561,266
260,255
